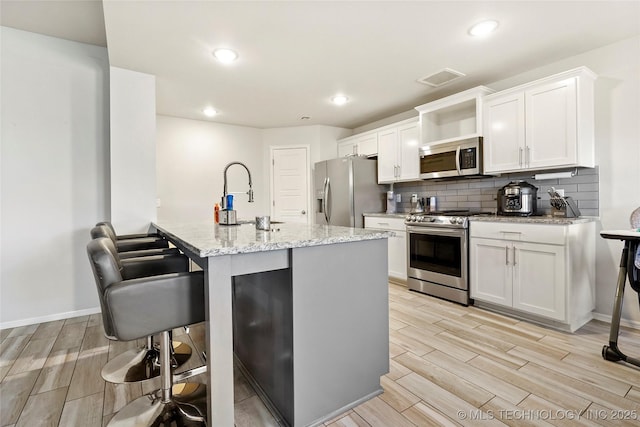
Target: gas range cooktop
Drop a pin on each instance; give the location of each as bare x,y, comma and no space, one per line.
445,218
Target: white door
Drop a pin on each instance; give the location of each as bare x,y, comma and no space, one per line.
398,255
504,133
408,137
368,145
490,271
290,184
538,283
387,156
551,129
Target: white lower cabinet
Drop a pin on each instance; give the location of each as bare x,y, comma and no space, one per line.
397,254
543,272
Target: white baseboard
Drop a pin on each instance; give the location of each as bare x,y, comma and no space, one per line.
623,322
49,318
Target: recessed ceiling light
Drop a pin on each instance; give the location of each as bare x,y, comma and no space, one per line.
339,99
226,56
209,112
483,28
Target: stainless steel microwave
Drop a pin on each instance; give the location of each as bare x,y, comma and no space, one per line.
457,158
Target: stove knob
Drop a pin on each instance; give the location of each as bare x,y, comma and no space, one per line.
408,218
420,218
460,220
452,220
413,218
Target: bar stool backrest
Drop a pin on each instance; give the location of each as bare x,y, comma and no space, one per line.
110,227
106,272
102,231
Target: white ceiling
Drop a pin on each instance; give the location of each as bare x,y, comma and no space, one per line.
295,55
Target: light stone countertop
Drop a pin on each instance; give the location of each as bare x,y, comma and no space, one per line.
543,219
386,215
205,238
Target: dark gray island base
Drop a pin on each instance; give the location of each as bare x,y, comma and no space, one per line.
308,307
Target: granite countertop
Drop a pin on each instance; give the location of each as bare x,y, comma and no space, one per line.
205,238
386,215
542,219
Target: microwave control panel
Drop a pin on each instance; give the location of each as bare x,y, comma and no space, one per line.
468,158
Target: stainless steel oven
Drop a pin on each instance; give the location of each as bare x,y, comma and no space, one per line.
438,256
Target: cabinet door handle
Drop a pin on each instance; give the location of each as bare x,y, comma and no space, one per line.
514,256
506,255
520,157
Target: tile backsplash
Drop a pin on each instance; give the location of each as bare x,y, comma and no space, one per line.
480,193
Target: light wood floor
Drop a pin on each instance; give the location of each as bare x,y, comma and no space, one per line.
449,365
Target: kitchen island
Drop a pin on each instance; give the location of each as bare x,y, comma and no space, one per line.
304,308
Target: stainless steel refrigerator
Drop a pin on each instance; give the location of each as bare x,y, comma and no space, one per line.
345,188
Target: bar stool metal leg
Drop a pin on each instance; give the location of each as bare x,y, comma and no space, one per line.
182,404
143,363
611,352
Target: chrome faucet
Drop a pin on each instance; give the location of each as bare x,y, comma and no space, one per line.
224,194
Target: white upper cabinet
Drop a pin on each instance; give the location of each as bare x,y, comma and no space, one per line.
387,155
504,117
367,145
545,124
347,148
396,146
359,145
398,153
452,118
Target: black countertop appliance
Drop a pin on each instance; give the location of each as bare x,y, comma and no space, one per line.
518,198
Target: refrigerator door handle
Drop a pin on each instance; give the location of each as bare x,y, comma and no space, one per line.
327,211
325,191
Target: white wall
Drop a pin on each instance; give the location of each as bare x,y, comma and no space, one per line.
132,150
321,140
191,156
617,139
54,169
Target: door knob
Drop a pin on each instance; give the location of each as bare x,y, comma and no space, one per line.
304,212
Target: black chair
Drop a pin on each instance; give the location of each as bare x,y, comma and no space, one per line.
628,269
134,242
135,247
143,363
137,308
127,236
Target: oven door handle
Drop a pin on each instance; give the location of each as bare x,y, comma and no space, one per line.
437,231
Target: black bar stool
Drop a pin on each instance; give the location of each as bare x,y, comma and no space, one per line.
628,268
130,310
143,363
134,242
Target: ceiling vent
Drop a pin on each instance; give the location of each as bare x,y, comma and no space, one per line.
441,77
